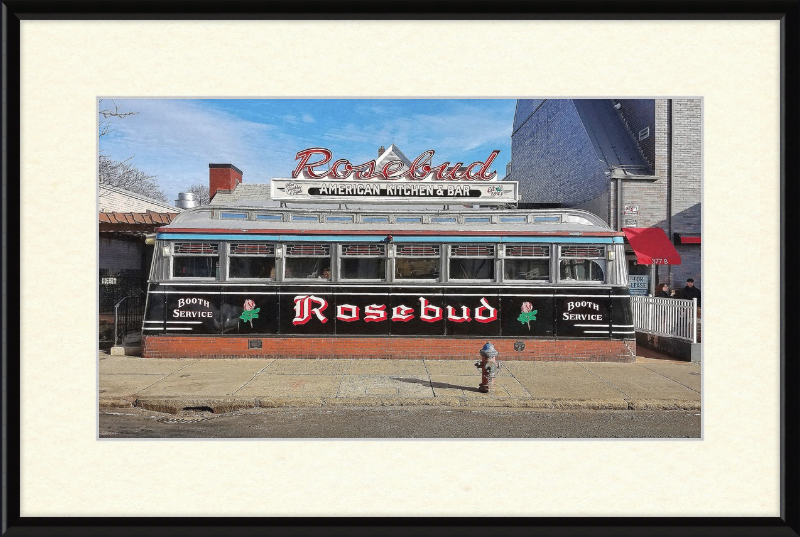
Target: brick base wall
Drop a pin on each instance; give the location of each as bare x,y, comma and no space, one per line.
563,350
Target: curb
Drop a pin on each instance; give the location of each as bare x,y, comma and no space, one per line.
220,405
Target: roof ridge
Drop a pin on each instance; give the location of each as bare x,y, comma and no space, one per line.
136,195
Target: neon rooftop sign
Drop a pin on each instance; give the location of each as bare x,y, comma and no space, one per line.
391,170
392,178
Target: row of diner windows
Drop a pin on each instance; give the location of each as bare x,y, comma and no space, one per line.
369,262
405,218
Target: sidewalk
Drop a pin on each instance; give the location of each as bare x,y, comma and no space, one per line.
172,385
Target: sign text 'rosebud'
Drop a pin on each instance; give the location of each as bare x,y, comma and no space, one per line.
420,169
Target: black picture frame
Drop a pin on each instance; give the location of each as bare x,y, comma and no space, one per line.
13,12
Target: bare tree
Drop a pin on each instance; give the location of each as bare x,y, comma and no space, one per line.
123,174
109,113
200,192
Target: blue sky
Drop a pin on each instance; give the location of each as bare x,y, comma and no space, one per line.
176,139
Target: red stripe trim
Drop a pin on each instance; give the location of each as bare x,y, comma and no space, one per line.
393,232
690,240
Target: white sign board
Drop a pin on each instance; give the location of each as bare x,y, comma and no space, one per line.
639,285
330,191
630,209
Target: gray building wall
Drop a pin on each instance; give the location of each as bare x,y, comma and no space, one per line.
599,205
550,145
124,265
640,114
687,170
118,254
552,155
652,197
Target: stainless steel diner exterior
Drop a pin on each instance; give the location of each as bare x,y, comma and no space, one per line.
247,280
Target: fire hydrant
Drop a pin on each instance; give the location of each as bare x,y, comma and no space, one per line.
488,366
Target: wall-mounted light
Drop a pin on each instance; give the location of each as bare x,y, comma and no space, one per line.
610,255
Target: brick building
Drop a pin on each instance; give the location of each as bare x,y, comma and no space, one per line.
636,163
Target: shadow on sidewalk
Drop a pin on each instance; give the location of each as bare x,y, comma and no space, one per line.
649,355
437,384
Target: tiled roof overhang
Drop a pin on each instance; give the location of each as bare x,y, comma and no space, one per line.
134,222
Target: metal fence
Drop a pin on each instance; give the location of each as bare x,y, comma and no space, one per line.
670,317
117,284
128,316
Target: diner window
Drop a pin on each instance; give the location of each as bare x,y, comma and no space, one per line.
195,260
363,261
251,260
417,262
527,262
472,262
308,261
582,263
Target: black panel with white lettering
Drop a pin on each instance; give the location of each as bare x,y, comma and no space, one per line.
154,316
621,315
583,313
527,312
362,311
417,311
470,312
190,313
249,312
307,310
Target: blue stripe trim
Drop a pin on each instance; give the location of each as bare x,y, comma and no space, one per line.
562,240
382,238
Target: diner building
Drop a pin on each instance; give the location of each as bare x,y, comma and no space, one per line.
392,258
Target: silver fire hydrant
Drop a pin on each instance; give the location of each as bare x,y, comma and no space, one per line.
488,366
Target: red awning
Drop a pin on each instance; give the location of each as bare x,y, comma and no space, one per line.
683,238
652,246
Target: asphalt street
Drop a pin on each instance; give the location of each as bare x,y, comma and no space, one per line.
399,422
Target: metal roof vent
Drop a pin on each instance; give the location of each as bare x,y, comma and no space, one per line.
186,200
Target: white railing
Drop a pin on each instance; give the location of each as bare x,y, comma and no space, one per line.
670,317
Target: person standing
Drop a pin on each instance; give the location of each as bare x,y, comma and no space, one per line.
690,292
663,291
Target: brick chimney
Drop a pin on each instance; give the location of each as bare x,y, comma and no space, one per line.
381,150
222,177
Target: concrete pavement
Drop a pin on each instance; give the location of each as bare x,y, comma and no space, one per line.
173,385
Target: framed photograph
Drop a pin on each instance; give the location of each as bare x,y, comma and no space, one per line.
739,58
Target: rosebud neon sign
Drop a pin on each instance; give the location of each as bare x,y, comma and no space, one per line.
393,170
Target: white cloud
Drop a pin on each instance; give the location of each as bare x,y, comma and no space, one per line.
452,134
177,139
